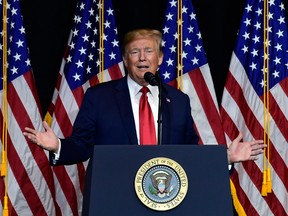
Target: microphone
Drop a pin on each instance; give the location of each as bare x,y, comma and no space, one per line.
155,80
151,79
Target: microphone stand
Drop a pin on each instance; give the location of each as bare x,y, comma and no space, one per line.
156,80
159,122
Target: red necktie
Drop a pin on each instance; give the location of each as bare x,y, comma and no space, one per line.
146,120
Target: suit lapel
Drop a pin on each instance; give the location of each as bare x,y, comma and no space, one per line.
125,108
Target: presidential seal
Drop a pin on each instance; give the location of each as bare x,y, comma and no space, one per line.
161,184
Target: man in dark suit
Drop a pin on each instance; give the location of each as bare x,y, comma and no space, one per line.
110,111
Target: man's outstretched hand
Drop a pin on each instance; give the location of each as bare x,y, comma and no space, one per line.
45,139
243,151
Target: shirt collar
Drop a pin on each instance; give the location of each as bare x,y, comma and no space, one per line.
135,87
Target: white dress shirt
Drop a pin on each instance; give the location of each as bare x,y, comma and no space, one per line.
153,100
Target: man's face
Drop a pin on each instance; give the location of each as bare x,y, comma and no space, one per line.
142,55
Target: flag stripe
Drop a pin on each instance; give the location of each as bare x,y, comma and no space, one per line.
206,101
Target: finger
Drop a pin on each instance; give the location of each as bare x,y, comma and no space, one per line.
30,130
239,137
46,126
258,141
254,158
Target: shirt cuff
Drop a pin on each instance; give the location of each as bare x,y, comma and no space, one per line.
57,154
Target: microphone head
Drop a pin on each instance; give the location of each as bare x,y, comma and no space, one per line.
151,79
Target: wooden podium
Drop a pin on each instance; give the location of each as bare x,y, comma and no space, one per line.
110,176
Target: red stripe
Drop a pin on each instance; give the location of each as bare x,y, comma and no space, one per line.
32,85
284,85
78,95
228,125
94,81
64,123
207,104
115,72
278,116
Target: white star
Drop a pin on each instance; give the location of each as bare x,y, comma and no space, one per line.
246,35
281,20
88,24
190,28
247,22
88,70
110,11
79,64
254,52
169,16
22,30
20,43
169,62
172,48
166,30
166,75
90,56
276,74
14,70
195,61
173,3
85,38
192,16
69,58
28,63
279,33
278,47
198,48
76,77
115,43
253,66
248,8
187,42
107,24
17,57
112,56
245,49
277,60
82,51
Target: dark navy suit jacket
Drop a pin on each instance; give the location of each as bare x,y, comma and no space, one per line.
106,118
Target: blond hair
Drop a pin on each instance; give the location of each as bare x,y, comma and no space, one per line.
142,33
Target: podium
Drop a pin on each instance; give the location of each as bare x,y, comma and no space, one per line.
111,172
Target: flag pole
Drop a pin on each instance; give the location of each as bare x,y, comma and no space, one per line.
266,182
4,110
179,46
101,42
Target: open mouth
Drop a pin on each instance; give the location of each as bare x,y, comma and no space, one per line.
142,67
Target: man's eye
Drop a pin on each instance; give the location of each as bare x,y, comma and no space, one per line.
149,51
135,52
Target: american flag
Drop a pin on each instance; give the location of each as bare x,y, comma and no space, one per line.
195,77
29,179
243,102
80,69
